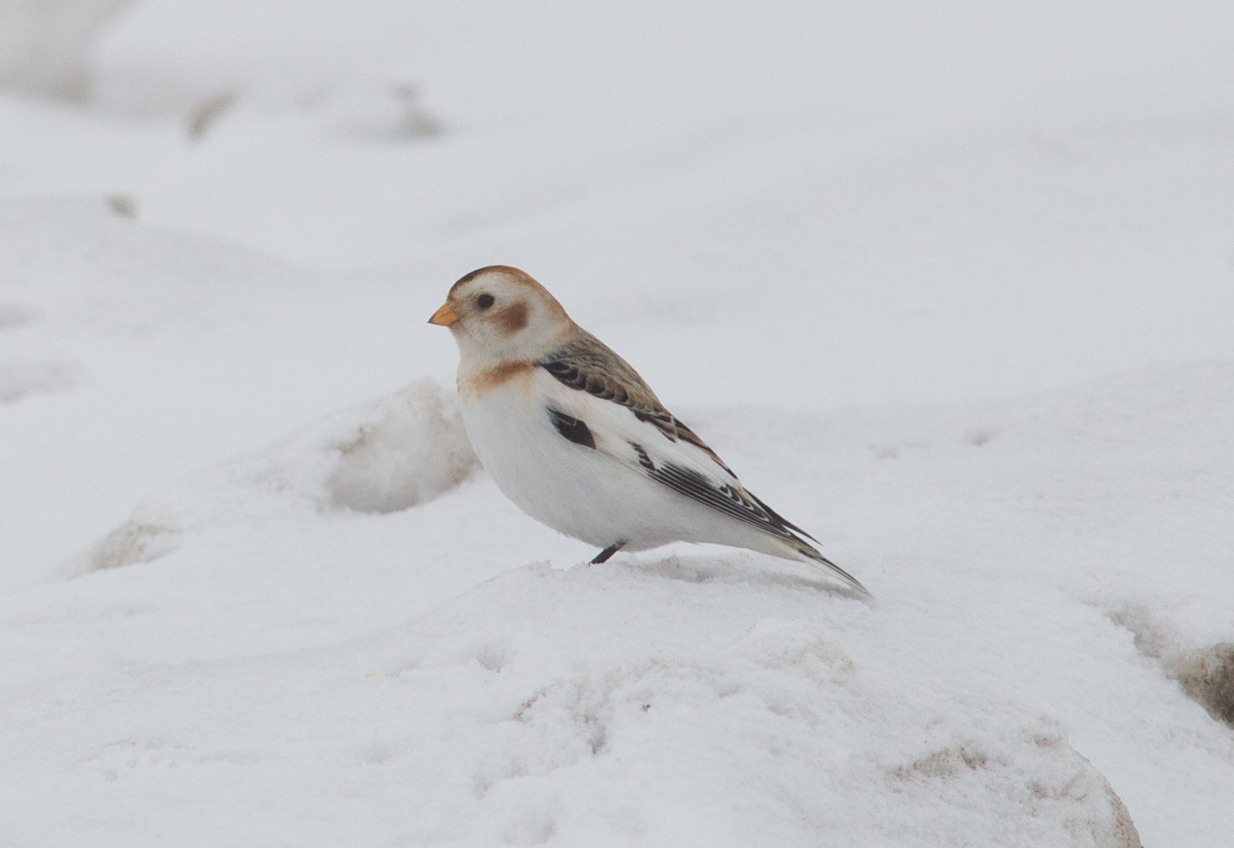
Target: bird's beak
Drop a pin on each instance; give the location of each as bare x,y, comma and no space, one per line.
444,317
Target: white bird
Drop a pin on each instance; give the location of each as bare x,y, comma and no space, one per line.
571,433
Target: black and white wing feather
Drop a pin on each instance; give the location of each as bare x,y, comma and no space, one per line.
627,421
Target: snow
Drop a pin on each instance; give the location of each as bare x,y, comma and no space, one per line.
951,288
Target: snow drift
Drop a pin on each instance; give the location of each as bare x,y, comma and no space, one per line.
948,285
383,456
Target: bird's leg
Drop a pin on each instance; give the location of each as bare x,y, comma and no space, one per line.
608,552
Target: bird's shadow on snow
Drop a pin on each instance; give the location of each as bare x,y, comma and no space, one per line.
740,569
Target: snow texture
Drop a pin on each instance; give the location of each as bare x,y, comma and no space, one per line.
387,455
952,288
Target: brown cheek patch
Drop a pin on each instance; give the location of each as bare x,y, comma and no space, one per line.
513,318
484,382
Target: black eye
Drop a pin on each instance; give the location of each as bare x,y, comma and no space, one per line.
484,301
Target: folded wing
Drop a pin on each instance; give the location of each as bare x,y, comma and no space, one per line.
628,422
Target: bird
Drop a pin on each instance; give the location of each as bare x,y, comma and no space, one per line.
573,435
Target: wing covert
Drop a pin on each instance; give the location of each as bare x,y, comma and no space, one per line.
587,364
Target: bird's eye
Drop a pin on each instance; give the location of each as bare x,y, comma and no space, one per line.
484,301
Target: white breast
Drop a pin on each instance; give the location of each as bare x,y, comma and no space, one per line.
576,490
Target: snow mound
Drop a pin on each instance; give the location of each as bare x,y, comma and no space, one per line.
587,707
383,456
1207,675
411,449
169,60
1204,671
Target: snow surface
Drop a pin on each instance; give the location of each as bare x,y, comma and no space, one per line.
953,288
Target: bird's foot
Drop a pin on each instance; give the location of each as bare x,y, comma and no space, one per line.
608,552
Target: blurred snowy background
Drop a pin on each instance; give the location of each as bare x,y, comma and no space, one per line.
950,285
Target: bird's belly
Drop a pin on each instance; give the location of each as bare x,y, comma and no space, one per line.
574,489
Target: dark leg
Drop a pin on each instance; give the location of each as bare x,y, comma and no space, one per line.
607,552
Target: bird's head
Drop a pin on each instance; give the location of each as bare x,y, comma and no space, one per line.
500,314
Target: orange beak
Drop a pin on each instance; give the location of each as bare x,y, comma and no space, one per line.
444,317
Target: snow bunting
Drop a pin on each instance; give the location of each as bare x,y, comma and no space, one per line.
572,434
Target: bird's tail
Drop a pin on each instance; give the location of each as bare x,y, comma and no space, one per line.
788,539
808,553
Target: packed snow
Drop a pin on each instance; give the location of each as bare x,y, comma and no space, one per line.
952,288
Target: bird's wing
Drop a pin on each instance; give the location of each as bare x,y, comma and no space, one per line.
587,364
619,415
